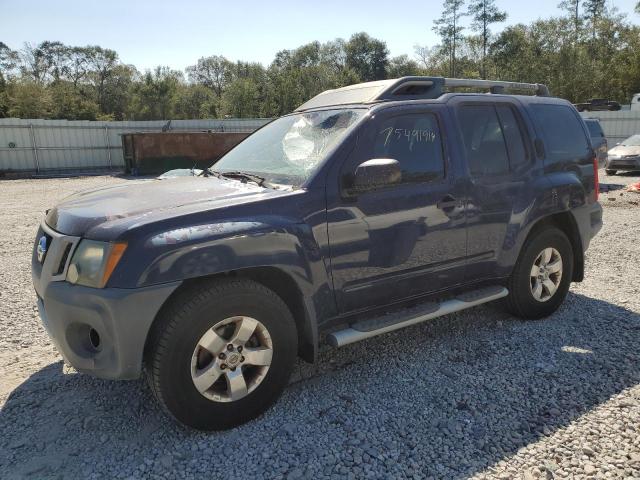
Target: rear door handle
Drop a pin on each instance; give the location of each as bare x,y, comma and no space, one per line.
448,202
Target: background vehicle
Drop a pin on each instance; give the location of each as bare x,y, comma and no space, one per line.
598,104
598,140
370,208
624,156
635,102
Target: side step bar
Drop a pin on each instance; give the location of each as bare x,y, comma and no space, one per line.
387,323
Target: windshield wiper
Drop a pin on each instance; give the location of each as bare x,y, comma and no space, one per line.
250,177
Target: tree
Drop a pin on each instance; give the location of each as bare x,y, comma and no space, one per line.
154,97
449,29
195,101
593,11
77,65
572,7
402,66
102,63
213,72
70,104
367,57
483,14
54,56
29,99
54,80
241,99
32,63
8,61
116,91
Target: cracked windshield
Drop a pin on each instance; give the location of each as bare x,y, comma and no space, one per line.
291,148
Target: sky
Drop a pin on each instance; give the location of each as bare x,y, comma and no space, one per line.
176,33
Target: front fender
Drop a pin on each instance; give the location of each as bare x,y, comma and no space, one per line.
211,249
203,250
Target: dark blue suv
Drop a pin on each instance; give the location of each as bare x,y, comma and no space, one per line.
370,208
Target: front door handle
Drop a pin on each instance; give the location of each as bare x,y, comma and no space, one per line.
448,202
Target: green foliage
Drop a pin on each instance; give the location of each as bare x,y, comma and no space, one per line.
154,97
606,64
450,31
195,101
29,99
68,102
241,99
590,51
367,57
483,14
403,66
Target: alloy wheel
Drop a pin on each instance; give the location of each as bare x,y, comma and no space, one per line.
231,359
546,274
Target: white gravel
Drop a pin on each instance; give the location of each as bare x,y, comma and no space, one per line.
478,394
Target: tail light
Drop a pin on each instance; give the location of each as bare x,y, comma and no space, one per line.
596,179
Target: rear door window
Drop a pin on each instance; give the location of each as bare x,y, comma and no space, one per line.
564,136
483,140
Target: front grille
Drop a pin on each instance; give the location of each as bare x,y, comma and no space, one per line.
63,259
60,249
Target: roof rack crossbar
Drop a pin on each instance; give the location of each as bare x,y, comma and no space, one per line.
496,86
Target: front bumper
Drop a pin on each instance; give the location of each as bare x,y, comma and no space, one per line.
98,331
623,163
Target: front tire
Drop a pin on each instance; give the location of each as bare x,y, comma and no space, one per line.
610,172
541,278
221,353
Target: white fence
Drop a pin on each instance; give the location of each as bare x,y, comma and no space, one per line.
41,146
44,146
617,125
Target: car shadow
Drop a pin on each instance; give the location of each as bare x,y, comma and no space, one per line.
475,388
611,187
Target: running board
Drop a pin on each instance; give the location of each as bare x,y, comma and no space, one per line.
387,323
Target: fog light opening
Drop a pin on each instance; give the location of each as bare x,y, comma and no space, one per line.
94,338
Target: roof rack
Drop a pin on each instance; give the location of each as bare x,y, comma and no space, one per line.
412,88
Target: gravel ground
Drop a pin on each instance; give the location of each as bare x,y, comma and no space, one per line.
474,395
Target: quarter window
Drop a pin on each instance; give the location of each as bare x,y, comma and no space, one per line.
415,142
564,136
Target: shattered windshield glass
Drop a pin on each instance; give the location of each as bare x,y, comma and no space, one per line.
289,149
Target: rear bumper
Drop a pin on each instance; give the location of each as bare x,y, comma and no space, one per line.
589,222
119,319
623,163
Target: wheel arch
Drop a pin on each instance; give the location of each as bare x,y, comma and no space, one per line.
566,222
275,279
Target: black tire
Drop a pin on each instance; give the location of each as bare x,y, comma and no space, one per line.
180,327
521,301
610,172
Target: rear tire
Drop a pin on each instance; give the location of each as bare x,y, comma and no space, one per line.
610,172
221,353
542,276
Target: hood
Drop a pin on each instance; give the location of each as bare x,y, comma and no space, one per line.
106,212
623,150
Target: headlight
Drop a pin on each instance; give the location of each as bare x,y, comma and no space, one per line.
93,262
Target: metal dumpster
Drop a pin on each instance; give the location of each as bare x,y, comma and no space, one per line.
156,152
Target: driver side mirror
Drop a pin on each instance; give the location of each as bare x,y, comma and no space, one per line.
376,173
